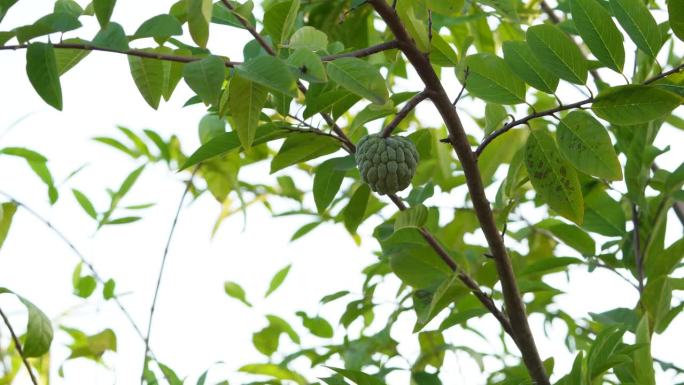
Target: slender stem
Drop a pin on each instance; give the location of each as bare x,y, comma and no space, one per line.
130,52
313,130
665,74
459,141
463,86
637,248
20,350
392,44
610,268
549,12
408,107
249,27
161,269
80,256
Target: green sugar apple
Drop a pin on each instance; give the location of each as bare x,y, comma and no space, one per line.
387,165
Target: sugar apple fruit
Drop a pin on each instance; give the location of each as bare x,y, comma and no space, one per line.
387,165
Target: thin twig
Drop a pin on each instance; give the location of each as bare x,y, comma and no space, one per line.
637,248
392,44
161,269
249,27
20,350
130,52
80,256
463,86
549,12
408,107
610,268
313,130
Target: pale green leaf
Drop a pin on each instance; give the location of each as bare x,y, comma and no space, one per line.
300,147
634,104
490,79
38,330
246,99
277,280
359,77
148,75
309,38
236,291
270,72
205,78
199,17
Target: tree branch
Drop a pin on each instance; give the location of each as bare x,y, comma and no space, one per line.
20,350
80,256
130,52
161,270
393,44
549,12
249,27
408,107
514,304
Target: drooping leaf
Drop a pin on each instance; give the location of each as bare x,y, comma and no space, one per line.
634,104
328,179
301,147
277,280
359,77
7,211
585,143
246,99
518,55
148,75
52,23
103,10
553,178
38,330
637,21
205,77
597,29
558,53
354,212
279,19
490,79
199,17
676,14
41,68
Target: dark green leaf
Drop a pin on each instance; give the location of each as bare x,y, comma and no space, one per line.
53,23
414,217
41,68
676,13
160,26
555,50
67,58
636,19
490,79
634,104
354,212
518,55
597,29
111,36
279,19
603,214
103,10
328,179
301,147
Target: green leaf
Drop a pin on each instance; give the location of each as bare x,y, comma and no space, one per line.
279,19
414,217
357,377
301,147
637,21
7,211
518,55
309,38
656,299
108,289
103,10
585,143
68,6
420,194
5,36
550,265
490,79
413,260
446,7
634,104
236,291
302,231
161,26
5,5
413,14
277,280
328,179
246,99
67,58
229,141
553,178
38,330
173,71
270,72
665,262
275,371
85,203
205,78
676,13
354,212
199,17
52,23
441,53
603,214
318,326
309,66
41,68
112,36
210,126
571,235
555,50
597,29
643,361
122,220
359,77
148,75
25,153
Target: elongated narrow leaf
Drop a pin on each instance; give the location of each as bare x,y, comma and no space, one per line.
518,55
597,29
41,68
356,208
103,10
586,144
300,147
85,203
634,104
328,179
553,178
38,330
270,72
205,78
555,50
7,211
279,19
275,371
278,280
199,17
246,99
148,75
490,79
359,77
643,361
603,214
639,24
675,11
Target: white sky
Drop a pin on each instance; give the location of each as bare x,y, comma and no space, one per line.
196,323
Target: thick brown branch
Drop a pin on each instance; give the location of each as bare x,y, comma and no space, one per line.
130,52
20,350
514,304
393,44
408,107
549,12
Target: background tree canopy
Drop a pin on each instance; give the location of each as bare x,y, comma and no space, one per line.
539,130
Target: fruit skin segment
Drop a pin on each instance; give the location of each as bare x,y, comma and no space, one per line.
387,165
